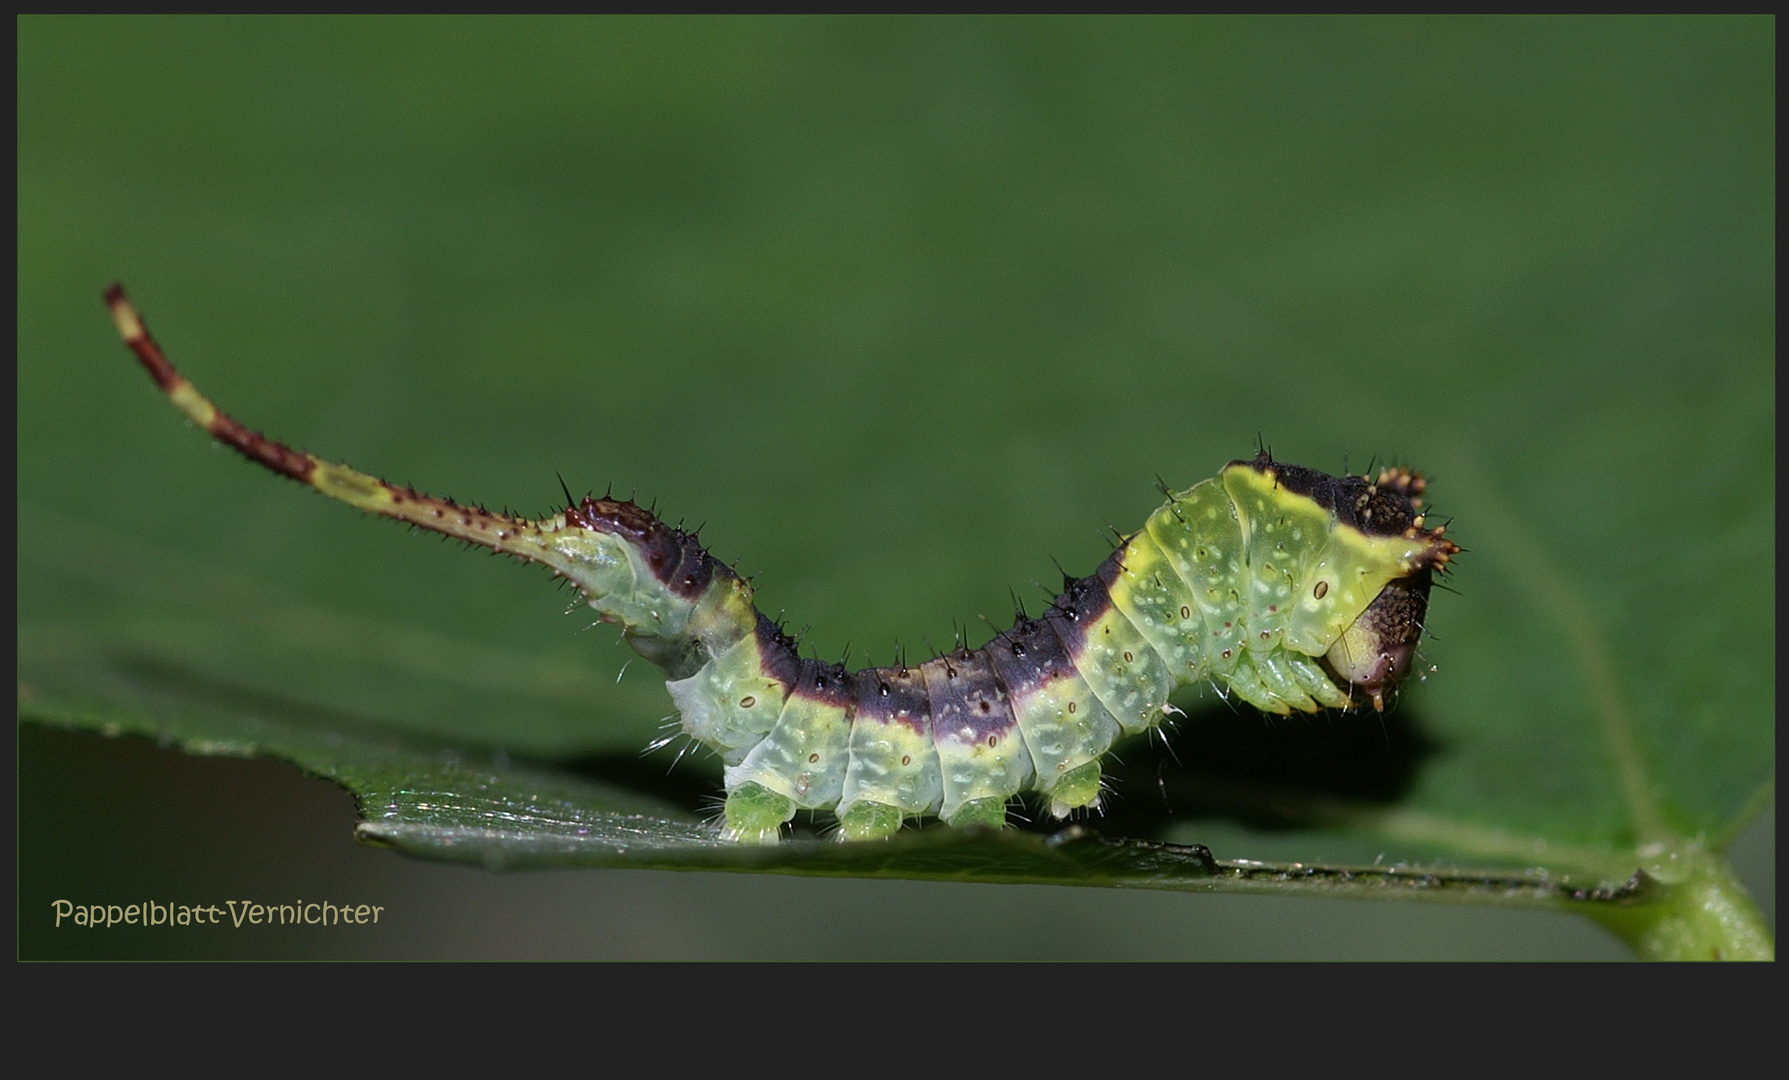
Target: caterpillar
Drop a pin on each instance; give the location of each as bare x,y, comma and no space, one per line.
1289,588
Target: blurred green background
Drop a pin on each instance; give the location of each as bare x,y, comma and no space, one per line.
902,309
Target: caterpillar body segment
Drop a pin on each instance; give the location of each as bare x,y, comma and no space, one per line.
1289,588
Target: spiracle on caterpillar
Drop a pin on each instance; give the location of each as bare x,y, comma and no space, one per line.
1284,586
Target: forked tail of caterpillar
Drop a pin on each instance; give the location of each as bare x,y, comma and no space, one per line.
1288,587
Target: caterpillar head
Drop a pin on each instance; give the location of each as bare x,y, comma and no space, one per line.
1375,653
1379,531
1377,650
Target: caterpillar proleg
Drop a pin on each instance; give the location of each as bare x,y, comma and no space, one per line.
1286,587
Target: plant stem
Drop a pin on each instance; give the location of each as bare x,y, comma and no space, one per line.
1700,911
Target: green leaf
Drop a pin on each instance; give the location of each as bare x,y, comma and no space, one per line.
903,310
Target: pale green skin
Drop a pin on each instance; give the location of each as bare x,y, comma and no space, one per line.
1235,582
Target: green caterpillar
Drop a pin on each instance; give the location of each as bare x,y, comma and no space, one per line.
1287,587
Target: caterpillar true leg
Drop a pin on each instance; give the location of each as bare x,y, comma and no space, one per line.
1288,587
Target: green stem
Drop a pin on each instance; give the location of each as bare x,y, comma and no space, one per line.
1701,912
